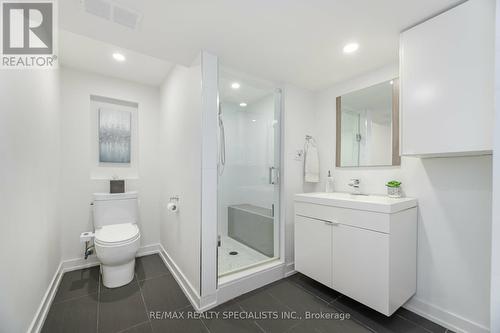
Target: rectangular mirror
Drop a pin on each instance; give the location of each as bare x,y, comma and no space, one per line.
368,126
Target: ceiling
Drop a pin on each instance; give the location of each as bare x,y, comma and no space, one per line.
250,90
293,41
77,51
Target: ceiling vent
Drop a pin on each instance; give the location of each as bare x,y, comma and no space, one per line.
99,8
113,11
125,17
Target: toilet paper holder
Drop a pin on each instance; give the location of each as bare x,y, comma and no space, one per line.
86,237
173,204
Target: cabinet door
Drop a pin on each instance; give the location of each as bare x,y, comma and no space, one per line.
313,249
447,82
361,265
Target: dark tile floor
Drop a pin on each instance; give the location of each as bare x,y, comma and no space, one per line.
83,304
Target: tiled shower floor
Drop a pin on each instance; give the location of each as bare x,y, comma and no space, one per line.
246,256
83,304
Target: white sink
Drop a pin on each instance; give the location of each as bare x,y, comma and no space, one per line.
374,203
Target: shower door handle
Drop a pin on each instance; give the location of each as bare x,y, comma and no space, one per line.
273,177
222,143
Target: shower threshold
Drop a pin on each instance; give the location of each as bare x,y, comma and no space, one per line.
234,256
249,278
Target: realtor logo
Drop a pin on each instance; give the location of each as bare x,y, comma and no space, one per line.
28,34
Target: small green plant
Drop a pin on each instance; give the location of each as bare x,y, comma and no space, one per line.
393,183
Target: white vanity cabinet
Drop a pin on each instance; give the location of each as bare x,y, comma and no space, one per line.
447,73
362,246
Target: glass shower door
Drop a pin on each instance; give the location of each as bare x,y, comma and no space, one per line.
248,186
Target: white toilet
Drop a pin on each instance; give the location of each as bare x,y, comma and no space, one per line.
116,236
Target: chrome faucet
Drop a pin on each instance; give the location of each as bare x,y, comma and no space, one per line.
354,183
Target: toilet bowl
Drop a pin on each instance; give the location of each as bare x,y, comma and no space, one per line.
116,237
116,246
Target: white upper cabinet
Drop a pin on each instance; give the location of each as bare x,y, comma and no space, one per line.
447,83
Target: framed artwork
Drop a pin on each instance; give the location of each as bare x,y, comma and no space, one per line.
115,128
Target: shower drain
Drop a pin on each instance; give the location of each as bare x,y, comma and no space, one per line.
233,253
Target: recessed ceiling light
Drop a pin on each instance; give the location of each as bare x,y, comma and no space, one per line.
235,85
254,120
351,47
391,82
118,57
243,104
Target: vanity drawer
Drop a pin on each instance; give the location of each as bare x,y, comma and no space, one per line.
356,218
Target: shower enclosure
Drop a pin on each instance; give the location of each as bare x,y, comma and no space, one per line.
248,182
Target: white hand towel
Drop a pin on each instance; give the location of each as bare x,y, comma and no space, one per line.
311,163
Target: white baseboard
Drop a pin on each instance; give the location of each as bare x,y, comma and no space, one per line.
443,317
290,269
149,249
68,266
78,263
43,309
187,288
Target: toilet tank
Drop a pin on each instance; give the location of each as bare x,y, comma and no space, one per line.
115,208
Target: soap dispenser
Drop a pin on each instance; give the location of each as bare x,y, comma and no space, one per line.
329,183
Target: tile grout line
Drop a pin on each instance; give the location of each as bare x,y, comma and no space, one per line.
200,319
56,302
243,309
352,317
150,278
254,321
143,302
279,301
411,321
133,326
76,297
373,330
182,308
331,304
294,326
335,299
313,294
205,325
259,327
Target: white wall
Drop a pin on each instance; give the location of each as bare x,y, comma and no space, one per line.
495,232
78,155
455,201
181,168
29,175
298,121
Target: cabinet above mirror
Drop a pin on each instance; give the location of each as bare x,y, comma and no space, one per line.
368,126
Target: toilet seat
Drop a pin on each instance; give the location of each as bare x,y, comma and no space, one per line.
116,234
